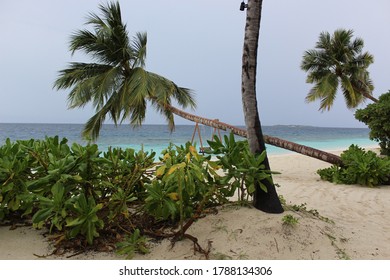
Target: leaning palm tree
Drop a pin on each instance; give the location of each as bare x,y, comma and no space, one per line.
338,61
116,83
118,86
271,140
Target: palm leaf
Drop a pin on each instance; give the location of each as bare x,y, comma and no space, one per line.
138,48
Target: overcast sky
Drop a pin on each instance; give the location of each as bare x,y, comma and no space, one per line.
195,43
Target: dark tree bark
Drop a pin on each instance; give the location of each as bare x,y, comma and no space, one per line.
274,141
266,201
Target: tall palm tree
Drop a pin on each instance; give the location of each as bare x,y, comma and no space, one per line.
338,61
116,83
267,201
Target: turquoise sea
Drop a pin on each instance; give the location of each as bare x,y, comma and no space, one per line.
158,137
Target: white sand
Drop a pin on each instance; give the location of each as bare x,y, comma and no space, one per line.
361,230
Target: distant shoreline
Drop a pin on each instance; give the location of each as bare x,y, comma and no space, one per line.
158,137
189,124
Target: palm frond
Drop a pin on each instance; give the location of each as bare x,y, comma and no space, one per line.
133,95
313,95
112,14
83,40
138,48
78,72
93,126
362,83
324,41
337,60
105,85
324,90
363,60
108,42
350,95
88,82
357,46
165,89
314,60
352,101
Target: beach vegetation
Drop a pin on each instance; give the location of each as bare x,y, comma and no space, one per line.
377,117
302,209
341,253
15,171
74,189
84,196
242,168
185,181
359,167
338,61
133,243
283,200
290,220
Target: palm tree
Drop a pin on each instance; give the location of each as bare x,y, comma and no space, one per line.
118,86
116,83
267,201
338,61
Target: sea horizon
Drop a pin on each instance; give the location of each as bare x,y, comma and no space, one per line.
188,124
157,137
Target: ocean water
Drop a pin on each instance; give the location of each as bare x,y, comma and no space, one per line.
158,137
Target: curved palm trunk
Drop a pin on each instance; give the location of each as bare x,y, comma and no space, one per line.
264,200
274,141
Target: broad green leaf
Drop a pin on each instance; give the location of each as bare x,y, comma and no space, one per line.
41,215
263,187
160,171
77,178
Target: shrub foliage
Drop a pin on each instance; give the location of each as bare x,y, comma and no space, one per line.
377,117
359,167
85,195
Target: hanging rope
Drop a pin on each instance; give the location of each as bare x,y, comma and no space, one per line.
199,134
197,130
215,132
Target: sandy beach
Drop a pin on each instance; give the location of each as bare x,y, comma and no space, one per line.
355,225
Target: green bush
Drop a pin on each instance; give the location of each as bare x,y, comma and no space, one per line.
377,117
82,193
243,169
72,189
15,171
184,180
359,167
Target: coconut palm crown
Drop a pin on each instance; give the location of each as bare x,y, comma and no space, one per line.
116,83
338,60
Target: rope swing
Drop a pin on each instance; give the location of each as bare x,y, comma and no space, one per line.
197,130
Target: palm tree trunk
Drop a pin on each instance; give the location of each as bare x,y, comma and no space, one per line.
371,97
267,201
274,141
